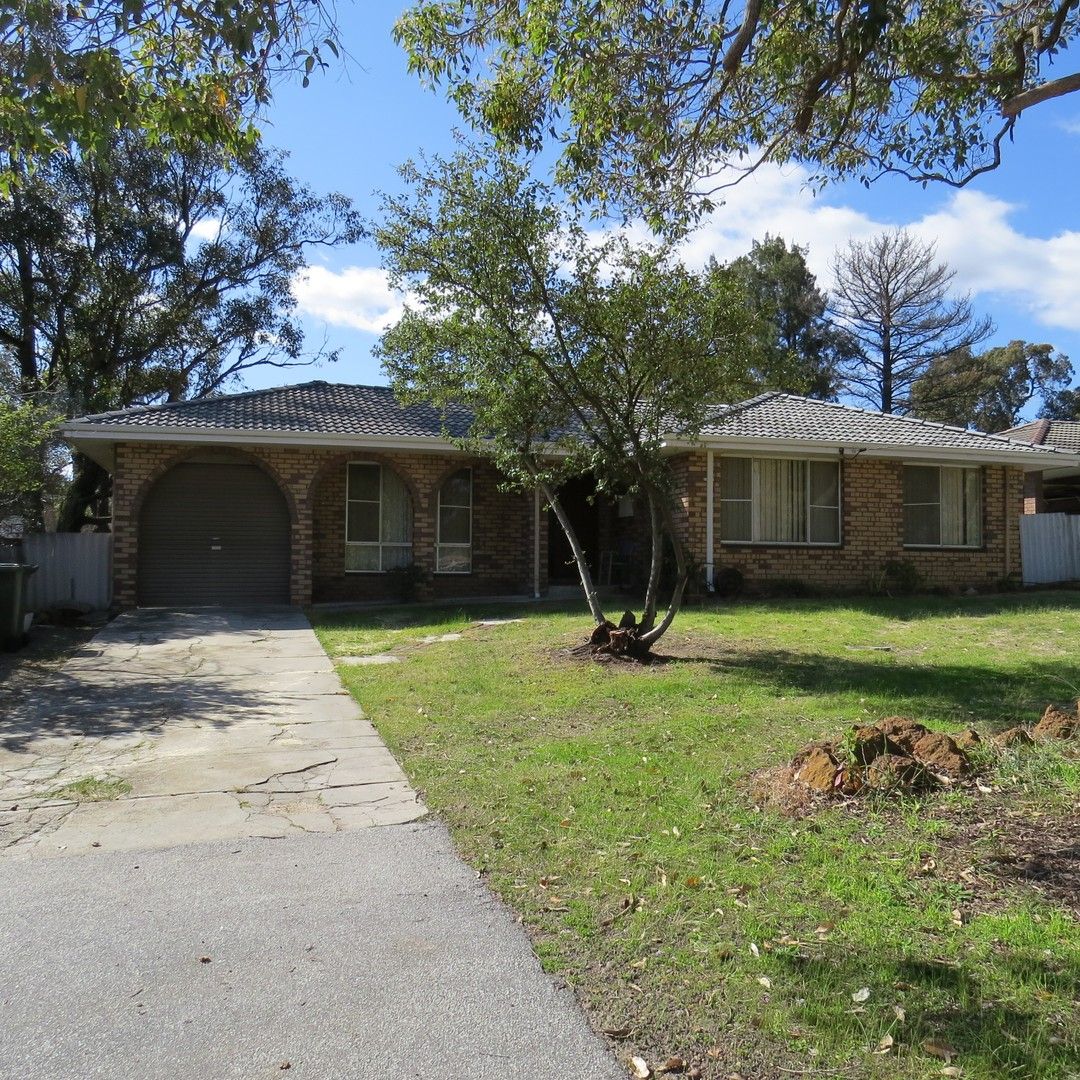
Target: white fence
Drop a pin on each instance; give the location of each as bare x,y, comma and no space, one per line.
1050,548
71,568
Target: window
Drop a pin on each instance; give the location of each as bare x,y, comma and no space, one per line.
378,519
453,549
779,501
942,506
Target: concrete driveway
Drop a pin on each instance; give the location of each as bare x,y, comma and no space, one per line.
190,727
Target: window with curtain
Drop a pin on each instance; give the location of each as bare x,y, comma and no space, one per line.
378,519
779,501
942,506
453,548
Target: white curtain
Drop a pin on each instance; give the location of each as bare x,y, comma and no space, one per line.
781,506
952,507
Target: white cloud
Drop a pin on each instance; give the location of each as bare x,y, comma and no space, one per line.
1070,126
974,234
359,297
206,229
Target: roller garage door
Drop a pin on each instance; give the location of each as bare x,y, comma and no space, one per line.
214,533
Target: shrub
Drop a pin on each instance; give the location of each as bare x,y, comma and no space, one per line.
901,577
790,588
728,582
405,581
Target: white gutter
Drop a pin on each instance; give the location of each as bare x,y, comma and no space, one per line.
123,433
115,433
709,545
830,447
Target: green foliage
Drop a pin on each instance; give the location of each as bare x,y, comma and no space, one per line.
989,390
25,429
576,352
216,245
902,577
188,73
654,105
405,582
798,348
1063,405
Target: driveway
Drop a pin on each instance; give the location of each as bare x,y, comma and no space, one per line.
232,914
190,727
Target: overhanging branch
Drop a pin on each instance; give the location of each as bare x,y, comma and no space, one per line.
1014,106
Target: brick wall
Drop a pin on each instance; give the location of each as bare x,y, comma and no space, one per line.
312,481
872,531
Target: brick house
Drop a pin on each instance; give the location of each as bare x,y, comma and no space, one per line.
322,492
1055,489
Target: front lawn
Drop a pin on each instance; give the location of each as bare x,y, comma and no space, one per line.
609,804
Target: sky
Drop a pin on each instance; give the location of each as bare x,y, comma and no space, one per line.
1012,236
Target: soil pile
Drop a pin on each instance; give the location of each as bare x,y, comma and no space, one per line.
896,755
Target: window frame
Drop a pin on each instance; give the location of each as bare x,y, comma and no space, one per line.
380,543
439,543
754,502
981,520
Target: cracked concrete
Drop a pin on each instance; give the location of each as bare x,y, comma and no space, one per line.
220,724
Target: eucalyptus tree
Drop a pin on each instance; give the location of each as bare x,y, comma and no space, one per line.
578,352
655,104
147,273
990,390
197,72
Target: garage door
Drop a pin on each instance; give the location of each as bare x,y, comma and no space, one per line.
214,534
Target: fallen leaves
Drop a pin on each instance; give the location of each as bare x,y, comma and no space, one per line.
885,1045
861,995
640,1068
940,1048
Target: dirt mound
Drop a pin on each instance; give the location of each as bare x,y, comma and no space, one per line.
1056,724
896,754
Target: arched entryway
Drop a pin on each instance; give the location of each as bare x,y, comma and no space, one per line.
214,529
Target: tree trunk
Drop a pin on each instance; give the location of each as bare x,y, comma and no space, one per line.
89,486
682,564
579,555
656,564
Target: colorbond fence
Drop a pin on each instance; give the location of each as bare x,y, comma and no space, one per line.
72,568
1050,548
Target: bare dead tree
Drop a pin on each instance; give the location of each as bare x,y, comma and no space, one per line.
892,295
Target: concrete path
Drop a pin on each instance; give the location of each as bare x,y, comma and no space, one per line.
370,954
206,725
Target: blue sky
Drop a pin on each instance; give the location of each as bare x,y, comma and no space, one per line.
1013,237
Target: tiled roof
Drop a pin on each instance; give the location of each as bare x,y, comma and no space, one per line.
317,408
331,409
800,419
1061,434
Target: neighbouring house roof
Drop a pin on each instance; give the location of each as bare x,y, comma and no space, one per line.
1060,434
344,415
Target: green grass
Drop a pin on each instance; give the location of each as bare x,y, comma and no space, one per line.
609,805
92,789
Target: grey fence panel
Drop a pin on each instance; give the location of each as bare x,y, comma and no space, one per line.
1050,548
72,568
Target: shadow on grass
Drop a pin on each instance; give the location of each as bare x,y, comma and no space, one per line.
996,697
950,1005
903,609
